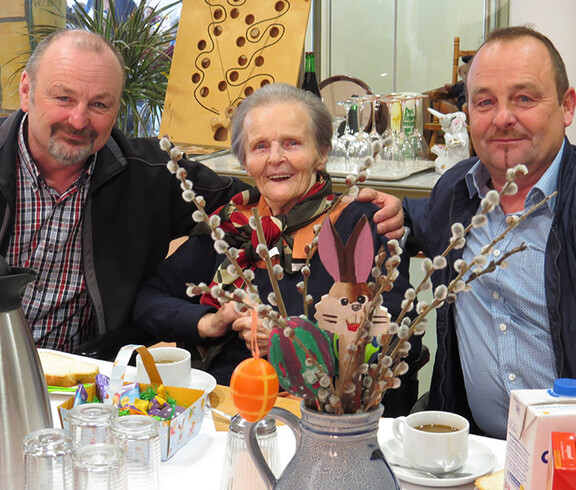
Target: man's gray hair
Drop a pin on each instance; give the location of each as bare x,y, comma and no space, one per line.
81,39
320,118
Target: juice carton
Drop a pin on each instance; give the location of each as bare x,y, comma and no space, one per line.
532,417
562,462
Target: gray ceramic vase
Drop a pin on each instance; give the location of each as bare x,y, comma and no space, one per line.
332,452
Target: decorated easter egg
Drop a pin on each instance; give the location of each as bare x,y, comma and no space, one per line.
289,359
254,387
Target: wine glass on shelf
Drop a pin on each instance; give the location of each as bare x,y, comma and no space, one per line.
360,147
348,136
338,156
392,152
359,114
358,150
373,100
408,103
417,141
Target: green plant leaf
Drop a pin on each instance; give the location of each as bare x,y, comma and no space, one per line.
144,47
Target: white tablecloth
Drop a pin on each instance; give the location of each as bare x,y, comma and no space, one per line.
200,463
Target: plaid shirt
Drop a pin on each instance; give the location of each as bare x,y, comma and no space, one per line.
47,237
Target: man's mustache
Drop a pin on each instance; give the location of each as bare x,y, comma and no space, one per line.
84,133
506,135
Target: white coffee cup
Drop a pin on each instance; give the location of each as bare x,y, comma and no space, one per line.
436,452
174,365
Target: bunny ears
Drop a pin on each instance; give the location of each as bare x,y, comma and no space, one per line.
352,262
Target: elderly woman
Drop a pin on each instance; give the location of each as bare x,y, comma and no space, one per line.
281,135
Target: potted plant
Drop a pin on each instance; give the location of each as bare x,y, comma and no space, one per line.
146,46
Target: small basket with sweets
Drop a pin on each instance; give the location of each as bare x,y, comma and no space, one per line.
179,410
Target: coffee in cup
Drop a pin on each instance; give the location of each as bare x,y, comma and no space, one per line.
433,441
173,363
437,428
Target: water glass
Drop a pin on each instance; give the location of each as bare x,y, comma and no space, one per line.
240,472
99,467
139,436
48,460
90,423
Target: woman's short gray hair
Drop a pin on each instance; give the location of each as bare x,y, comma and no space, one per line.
320,118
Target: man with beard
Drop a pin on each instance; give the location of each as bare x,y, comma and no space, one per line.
515,329
91,211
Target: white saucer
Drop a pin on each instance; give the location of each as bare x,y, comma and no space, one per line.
480,462
199,380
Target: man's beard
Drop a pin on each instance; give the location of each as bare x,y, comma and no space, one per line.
68,153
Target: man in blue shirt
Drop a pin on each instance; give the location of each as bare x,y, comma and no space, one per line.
514,329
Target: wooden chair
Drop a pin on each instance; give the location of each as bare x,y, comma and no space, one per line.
434,126
341,87
458,54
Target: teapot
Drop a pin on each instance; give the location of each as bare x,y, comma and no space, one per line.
25,402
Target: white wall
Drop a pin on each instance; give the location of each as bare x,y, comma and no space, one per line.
555,19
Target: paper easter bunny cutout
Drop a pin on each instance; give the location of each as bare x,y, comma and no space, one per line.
342,309
457,147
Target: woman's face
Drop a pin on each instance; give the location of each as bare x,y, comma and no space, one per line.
281,153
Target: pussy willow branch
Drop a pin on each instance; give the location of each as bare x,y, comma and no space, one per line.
311,248
397,344
269,265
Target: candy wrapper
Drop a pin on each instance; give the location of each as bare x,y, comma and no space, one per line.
81,395
180,410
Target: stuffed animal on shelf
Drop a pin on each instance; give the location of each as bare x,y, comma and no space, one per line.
457,147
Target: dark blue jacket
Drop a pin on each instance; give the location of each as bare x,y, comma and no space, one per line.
163,308
430,221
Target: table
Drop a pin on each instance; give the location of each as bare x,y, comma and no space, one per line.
415,185
199,463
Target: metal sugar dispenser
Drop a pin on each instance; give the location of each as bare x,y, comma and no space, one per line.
240,473
23,392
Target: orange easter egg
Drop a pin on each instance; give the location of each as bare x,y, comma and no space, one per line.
254,386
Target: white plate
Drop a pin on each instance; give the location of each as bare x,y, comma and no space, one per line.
199,380
480,462
105,367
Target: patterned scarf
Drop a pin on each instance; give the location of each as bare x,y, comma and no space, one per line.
280,231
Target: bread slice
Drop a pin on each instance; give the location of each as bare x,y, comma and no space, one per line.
495,481
60,370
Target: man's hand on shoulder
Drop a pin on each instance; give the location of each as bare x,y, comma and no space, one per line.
390,217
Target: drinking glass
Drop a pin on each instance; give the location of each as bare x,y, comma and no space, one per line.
348,136
358,151
99,467
392,153
90,423
373,101
139,436
48,460
417,141
360,117
338,153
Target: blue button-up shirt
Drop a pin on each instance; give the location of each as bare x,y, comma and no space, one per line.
502,323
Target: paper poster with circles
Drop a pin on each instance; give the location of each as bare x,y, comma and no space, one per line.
226,49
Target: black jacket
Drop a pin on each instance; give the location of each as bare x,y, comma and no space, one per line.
133,210
163,308
430,221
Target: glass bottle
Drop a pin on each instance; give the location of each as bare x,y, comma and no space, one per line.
310,82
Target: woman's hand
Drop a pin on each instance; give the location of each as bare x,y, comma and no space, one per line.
244,328
217,324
